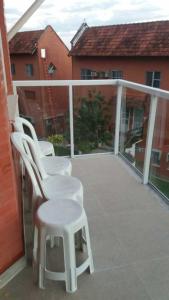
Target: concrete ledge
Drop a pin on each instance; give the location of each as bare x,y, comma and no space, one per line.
11,272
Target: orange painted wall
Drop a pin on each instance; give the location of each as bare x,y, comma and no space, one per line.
50,101
56,53
11,240
133,68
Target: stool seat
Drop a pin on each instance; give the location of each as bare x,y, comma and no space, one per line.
62,218
59,214
59,186
57,165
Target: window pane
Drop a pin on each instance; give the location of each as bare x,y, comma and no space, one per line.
30,94
155,157
157,75
51,68
29,69
86,74
149,76
13,69
156,83
116,74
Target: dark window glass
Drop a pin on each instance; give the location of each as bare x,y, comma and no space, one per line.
51,69
13,71
116,74
153,79
30,94
29,69
86,74
155,157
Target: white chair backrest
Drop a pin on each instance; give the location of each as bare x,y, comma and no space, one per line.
35,169
19,126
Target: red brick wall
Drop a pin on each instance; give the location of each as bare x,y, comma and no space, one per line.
11,242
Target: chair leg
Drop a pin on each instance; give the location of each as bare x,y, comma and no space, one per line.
91,265
42,258
70,263
35,254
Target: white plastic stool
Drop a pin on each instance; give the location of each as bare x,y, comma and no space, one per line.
62,219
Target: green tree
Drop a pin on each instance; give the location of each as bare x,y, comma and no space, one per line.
91,122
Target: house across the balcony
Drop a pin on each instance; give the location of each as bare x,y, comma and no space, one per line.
41,55
136,52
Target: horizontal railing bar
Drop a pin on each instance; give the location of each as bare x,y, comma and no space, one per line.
144,88
128,84
43,83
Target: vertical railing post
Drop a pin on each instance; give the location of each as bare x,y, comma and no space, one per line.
118,113
71,121
149,141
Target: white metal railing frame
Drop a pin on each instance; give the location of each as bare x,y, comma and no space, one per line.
155,93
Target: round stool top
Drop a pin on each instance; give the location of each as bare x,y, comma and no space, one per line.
60,212
55,164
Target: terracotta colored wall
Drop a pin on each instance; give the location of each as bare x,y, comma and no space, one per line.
57,54
20,61
134,69
28,106
11,242
50,101
5,49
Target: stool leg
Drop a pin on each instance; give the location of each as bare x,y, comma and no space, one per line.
70,263
42,257
52,241
89,251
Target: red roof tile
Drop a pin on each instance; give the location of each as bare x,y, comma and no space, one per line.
25,42
137,39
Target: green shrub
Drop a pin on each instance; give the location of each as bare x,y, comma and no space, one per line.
56,139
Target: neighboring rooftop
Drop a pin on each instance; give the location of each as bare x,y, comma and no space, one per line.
25,42
136,39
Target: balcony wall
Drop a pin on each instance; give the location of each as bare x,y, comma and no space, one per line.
11,238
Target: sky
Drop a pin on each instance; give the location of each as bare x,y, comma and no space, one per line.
66,16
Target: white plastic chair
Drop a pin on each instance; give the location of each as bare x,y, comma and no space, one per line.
62,219
52,164
48,187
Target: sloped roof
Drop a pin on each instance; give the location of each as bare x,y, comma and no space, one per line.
136,39
25,42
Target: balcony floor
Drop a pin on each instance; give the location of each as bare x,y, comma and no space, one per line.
129,227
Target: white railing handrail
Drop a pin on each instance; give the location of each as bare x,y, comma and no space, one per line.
43,83
144,88
96,82
155,93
